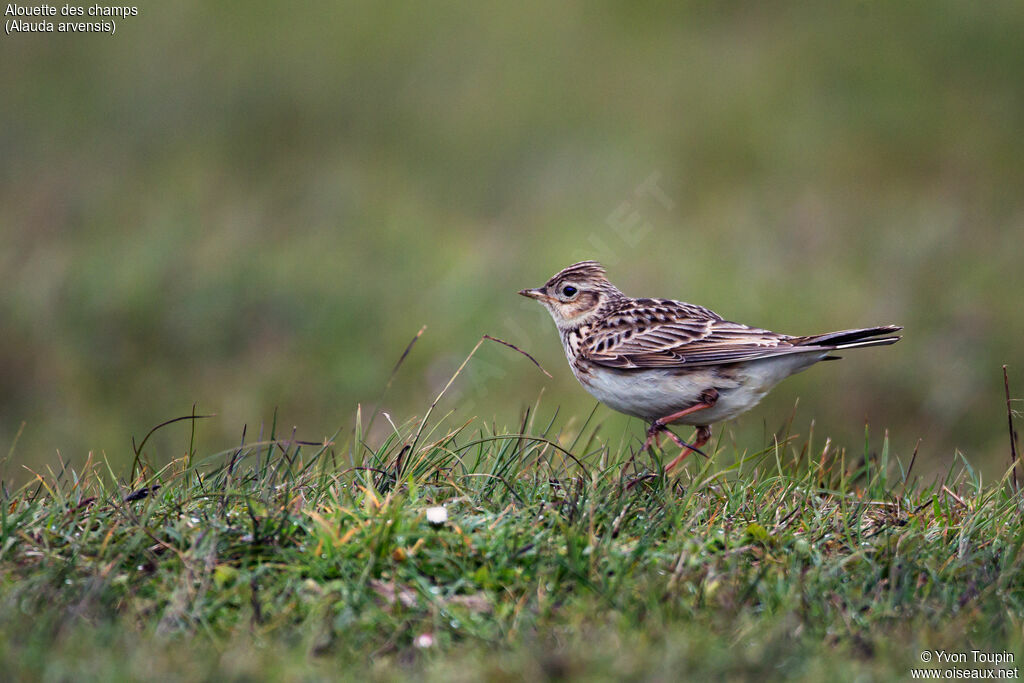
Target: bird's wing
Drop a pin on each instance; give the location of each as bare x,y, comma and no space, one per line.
660,333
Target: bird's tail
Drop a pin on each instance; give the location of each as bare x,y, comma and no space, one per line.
851,339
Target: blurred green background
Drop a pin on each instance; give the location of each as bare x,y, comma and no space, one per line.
257,206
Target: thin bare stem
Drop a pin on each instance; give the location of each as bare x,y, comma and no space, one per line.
426,417
423,422
1013,434
516,348
138,449
391,378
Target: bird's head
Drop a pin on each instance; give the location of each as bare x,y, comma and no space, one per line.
575,294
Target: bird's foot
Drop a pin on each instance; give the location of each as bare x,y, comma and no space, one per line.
700,437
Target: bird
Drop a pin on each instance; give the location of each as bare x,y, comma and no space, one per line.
670,362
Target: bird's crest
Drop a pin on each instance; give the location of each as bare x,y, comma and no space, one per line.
584,270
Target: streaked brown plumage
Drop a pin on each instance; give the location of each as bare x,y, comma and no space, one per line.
672,362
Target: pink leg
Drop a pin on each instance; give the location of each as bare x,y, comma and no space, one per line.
700,437
707,399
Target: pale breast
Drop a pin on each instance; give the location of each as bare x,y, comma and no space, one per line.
647,393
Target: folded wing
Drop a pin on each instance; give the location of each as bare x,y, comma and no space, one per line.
659,333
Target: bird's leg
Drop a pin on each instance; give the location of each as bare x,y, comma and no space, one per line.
654,435
653,432
682,444
708,398
700,437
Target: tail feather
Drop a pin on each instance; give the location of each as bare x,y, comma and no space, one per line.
850,339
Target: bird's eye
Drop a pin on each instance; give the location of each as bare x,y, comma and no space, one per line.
569,291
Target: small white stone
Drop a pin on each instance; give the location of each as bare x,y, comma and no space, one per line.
437,515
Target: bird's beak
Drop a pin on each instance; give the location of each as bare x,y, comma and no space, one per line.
537,294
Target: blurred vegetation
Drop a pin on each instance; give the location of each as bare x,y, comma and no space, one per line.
256,208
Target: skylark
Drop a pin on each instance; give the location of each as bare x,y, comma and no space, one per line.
671,362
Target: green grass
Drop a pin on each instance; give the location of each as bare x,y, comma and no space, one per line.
560,557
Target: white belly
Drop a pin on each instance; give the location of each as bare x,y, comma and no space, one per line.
654,393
